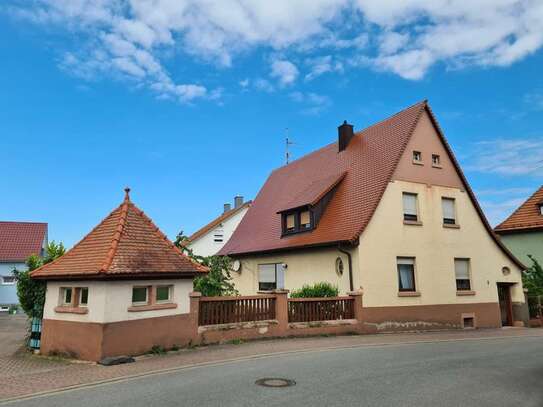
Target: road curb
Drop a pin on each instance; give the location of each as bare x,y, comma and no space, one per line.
221,362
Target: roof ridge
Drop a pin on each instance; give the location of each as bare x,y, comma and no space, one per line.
215,221
23,221
423,106
537,191
161,235
118,234
423,102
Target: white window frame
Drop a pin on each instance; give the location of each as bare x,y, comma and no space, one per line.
455,214
279,270
136,303
81,304
63,291
438,163
417,211
170,294
468,260
411,261
417,156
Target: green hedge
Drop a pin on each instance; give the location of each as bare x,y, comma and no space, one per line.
322,289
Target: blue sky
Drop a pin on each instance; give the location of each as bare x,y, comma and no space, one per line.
187,102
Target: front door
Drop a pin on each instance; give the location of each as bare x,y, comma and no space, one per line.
506,307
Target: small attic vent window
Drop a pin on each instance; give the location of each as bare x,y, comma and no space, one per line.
436,160
417,157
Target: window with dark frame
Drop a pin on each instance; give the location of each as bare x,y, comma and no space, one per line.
406,274
448,206
410,210
271,276
297,221
462,274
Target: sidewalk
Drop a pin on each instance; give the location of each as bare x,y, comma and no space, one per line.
25,375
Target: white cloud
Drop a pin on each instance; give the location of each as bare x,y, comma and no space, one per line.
497,212
404,37
534,100
313,103
508,157
322,65
263,85
285,72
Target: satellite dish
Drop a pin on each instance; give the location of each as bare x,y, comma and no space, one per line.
236,266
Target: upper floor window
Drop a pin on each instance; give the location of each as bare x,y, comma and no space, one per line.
218,235
271,276
449,211
83,296
462,274
406,273
66,295
8,280
417,156
163,293
298,221
410,207
140,295
436,160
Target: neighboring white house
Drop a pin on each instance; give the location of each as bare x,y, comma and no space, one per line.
209,239
18,240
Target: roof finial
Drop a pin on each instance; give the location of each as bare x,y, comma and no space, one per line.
127,194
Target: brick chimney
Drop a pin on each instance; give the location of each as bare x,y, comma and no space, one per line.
345,134
238,201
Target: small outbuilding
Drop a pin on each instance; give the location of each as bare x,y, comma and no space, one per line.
121,290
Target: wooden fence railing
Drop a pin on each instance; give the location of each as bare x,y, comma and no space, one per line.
320,309
226,310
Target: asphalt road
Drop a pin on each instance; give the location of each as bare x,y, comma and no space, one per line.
492,372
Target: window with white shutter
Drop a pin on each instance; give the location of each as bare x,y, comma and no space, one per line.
449,211
462,273
410,210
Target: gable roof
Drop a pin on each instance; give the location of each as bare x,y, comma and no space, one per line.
526,217
217,221
126,244
368,162
19,240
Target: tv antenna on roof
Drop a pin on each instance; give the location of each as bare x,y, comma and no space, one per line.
288,143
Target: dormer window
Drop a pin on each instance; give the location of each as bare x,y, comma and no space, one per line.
417,157
297,221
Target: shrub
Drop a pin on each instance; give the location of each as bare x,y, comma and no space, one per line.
158,350
322,289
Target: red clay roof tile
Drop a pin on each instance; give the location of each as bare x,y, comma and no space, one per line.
527,216
19,240
125,244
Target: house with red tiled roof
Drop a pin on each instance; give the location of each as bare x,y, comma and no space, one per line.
210,239
122,289
522,232
18,241
386,209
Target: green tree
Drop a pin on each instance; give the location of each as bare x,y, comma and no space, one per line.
218,282
532,278
31,292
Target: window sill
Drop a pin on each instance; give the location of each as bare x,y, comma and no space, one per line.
412,222
72,310
418,162
453,226
151,307
464,292
437,166
408,294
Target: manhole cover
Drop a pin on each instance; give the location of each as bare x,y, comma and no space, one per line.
275,382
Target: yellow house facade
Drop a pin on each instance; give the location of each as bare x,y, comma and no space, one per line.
423,252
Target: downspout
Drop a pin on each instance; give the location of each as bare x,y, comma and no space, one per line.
350,260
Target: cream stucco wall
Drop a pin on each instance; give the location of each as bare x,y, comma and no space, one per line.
303,267
206,246
434,248
109,300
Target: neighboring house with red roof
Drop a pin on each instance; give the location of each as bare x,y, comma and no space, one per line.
210,239
386,209
18,240
522,232
122,289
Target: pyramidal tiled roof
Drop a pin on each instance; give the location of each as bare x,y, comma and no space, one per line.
125,244
526,217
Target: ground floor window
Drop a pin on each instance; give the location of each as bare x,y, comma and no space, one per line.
462,274
140,295
163,293
271,276
406,273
